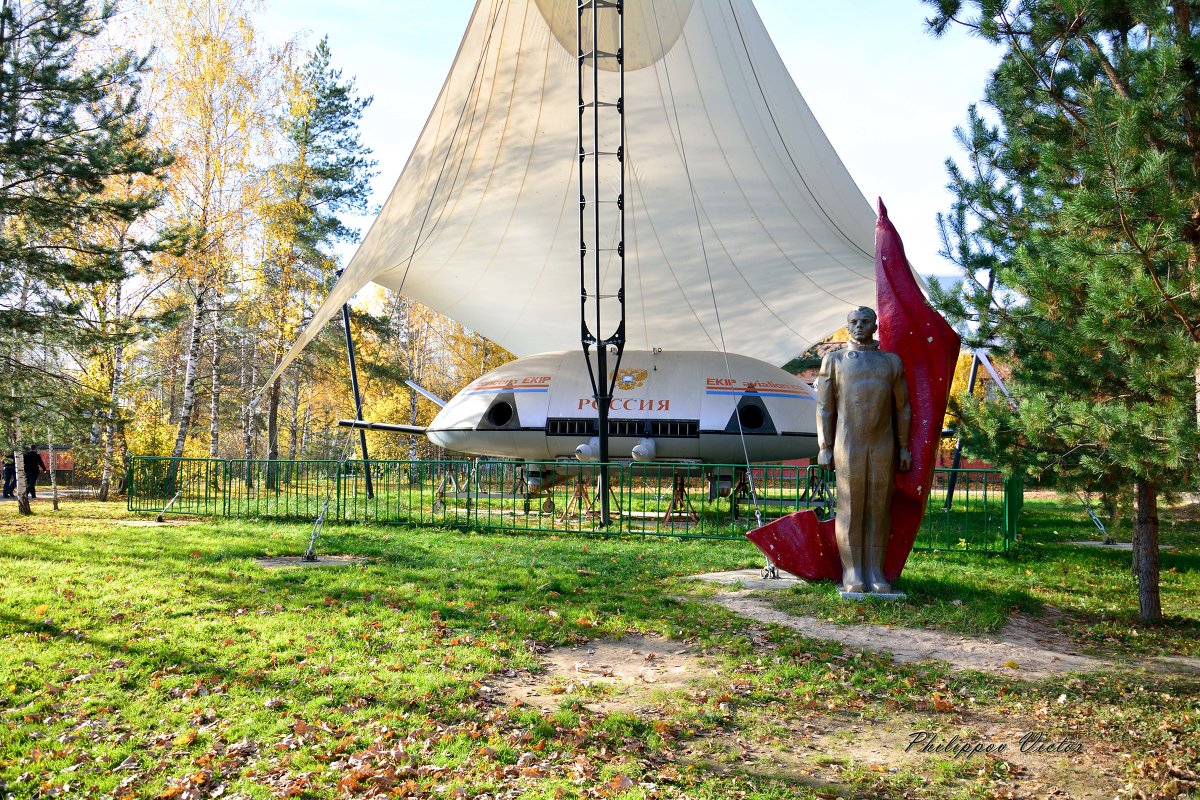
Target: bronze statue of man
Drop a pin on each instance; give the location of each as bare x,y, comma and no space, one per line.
863,419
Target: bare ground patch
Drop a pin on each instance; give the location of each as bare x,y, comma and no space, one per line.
621,675
1028,647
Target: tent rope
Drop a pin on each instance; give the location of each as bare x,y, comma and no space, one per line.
462,115
754,499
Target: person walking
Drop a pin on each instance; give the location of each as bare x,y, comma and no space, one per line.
34,467
10,477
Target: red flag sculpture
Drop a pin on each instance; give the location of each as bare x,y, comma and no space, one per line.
928,346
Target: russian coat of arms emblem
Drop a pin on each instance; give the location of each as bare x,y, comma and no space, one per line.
631,378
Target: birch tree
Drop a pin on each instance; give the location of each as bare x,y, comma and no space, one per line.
213,93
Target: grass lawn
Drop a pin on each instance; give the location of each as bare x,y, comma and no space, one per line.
164,662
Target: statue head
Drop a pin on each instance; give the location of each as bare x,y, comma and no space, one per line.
862,324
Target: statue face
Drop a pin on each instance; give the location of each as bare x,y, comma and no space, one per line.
862,326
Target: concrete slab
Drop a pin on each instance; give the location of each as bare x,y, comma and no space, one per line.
876,595
751,579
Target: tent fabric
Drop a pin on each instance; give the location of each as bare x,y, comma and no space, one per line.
744,231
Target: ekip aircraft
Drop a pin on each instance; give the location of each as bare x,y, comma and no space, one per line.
675,407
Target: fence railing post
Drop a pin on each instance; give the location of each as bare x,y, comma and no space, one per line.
1014,500
129,484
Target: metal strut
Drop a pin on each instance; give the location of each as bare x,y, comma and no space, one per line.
602,244
358,414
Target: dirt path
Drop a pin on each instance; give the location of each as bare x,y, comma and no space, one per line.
1026,648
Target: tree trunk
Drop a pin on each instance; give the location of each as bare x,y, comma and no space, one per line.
273,429
52,469
304,429
173,392
110,422
1146,548
189,378
23,507
413,444
214,406
294,427
189,396
247,380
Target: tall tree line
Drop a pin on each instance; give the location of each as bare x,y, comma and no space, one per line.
172,191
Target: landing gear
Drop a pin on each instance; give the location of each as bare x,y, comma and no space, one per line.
680,508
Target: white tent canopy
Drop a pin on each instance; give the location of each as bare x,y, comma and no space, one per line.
737,205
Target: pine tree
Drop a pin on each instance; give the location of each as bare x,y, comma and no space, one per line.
327,172
70,127
1080,196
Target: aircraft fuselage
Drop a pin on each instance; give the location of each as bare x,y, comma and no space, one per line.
691,405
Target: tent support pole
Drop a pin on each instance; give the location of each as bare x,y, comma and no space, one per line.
362,434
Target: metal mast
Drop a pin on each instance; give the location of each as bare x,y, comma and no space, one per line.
602,232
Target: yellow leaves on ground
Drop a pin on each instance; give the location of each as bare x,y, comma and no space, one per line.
184,739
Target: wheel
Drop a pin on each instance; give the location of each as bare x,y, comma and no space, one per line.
548,505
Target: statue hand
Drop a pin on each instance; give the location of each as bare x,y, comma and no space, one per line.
825,458
905,460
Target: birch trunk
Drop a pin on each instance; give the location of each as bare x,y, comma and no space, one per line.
23,507
189,395
304,429
247,378
214,405
294,426
413,444
293,431
273,428
189,379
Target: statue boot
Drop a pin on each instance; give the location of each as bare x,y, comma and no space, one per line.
852,580
876,551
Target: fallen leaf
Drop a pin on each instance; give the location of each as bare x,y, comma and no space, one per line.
621,783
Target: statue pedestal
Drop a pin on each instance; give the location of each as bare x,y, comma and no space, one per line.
876,595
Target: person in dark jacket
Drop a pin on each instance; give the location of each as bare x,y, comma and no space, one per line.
10,477
34,467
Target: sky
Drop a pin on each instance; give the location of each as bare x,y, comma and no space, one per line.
888,94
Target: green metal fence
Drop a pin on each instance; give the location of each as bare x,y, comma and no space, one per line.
687,501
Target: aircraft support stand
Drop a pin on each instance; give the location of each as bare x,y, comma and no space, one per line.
681,504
